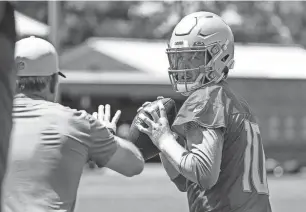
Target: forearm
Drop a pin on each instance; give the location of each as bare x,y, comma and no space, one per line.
173,152
169,168
181,159
200,168
130,146
127,159
178,179
200,165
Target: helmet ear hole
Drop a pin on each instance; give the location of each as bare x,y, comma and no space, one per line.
224,58
225,71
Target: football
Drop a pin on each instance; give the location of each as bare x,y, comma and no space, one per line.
142,140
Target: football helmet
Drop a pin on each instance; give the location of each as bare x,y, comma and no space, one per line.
200,51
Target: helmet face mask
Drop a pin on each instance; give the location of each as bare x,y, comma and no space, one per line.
189,67
196,60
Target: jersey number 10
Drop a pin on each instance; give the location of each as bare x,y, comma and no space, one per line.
254,161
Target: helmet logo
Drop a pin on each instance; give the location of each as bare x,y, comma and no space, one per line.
20,65
180,44
224,47
215,50
198,43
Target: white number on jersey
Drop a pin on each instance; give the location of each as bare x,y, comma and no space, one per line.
253,162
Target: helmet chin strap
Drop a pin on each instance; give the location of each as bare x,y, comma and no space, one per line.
220,78
186,93
199,80
203,76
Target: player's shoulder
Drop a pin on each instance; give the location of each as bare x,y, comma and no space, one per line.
72,118
57,107
204,107
221,94
211,93
209,106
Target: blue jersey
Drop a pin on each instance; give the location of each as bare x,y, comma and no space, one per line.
242,183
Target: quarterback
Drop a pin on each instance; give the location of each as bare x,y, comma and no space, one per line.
213,150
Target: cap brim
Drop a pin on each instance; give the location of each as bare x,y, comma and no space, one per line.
61,74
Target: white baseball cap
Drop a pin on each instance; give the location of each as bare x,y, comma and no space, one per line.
36,57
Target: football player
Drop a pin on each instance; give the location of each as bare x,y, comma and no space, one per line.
221,163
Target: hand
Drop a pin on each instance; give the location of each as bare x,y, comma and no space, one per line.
147,103
104,117
159,130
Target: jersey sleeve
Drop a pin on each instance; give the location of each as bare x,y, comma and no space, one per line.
205,107
103,144
201,164
87,130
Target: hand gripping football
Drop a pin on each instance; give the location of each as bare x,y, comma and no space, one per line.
142,140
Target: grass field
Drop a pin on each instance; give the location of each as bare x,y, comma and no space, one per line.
152,192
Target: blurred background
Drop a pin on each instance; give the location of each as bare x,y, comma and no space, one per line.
114,53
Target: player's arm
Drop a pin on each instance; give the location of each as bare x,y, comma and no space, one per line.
178,179
127,159
115,153
111,151
103,148
175,176
201,162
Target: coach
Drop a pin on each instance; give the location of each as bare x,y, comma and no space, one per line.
50,143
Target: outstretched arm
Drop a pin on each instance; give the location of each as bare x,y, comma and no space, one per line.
125,158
